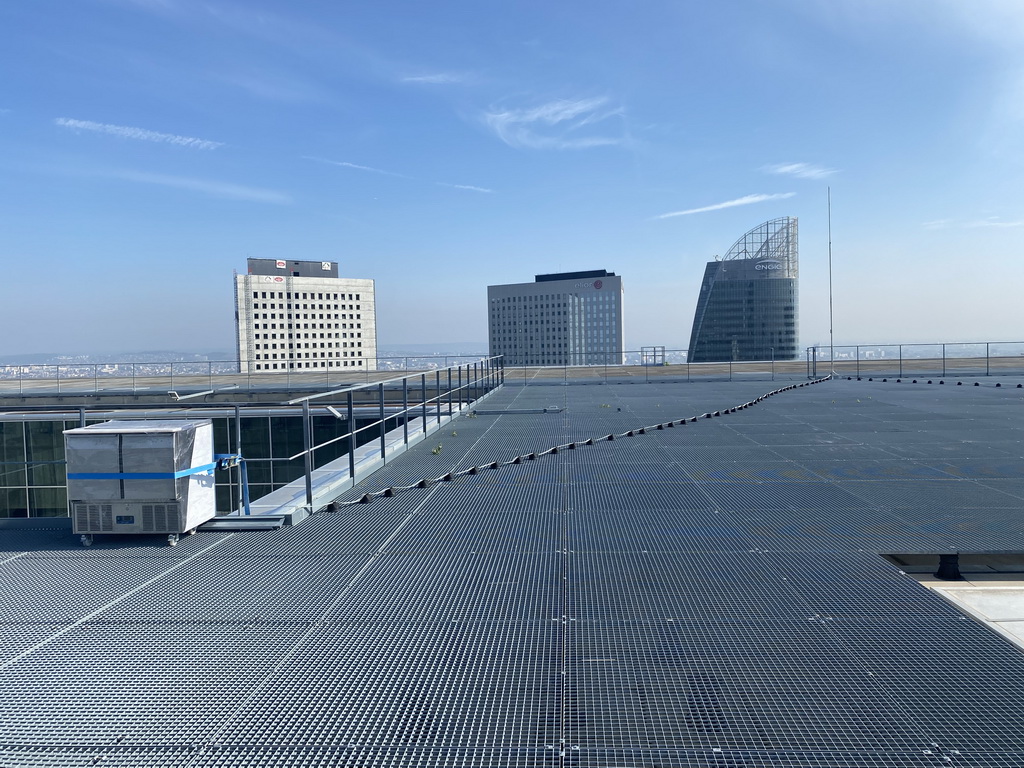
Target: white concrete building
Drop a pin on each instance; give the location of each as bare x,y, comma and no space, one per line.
567,318
300,316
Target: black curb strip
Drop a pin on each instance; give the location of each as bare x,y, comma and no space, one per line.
366,498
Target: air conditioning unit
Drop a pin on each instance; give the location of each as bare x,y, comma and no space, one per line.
152,477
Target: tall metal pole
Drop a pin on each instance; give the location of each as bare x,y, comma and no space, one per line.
831,340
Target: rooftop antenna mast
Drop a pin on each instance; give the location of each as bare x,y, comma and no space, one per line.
831,340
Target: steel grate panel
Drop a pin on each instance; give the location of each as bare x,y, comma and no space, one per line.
936,494
765,471
458,533
38,589
675,685
293,589
782,495
642,529
658,586
483,586
353,529
136,684
625,495
412,685
488,491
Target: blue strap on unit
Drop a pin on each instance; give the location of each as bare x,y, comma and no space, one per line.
141,475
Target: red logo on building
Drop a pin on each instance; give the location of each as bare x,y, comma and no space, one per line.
598,284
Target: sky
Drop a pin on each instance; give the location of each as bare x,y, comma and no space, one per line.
148,147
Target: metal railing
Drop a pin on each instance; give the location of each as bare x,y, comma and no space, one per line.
214,375
942,359
384,416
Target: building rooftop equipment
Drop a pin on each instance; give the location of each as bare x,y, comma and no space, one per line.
652,574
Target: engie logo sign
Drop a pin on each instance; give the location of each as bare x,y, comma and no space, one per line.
768,264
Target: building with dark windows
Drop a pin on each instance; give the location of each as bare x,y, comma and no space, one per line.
566,318
747,308
299,315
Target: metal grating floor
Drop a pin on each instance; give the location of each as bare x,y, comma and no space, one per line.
703,595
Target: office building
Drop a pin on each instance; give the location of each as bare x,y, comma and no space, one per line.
748,303
566,318
300,316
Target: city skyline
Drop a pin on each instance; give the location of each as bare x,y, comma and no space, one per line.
150,146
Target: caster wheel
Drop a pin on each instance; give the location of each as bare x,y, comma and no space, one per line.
86,540
172,540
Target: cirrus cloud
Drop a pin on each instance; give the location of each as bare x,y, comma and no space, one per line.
560,124
138,134
800,170
745,200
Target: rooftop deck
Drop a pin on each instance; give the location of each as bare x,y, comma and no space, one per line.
711,593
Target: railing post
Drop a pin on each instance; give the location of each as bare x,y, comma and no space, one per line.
857,348
423,399
437,393
405,409
773,363
901,361
383,443
986,359
307,439
351,439
943,361
238,450
450,389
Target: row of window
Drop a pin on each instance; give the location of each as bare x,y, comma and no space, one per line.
304,296
297,316
323,345
325,364
297,326
342,335
272,305
308,355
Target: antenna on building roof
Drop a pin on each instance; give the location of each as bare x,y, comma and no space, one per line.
831,339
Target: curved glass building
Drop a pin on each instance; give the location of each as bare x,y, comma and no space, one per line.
747,308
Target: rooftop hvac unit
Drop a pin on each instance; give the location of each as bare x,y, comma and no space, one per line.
140,477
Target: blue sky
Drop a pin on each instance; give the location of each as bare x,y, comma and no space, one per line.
150,146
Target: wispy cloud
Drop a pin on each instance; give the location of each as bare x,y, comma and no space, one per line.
343,164
438,78
274,87
993,221
219,189
139,134
799,170
468,187
746,200
554,125
936,224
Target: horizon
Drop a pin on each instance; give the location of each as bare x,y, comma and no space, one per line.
152,146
